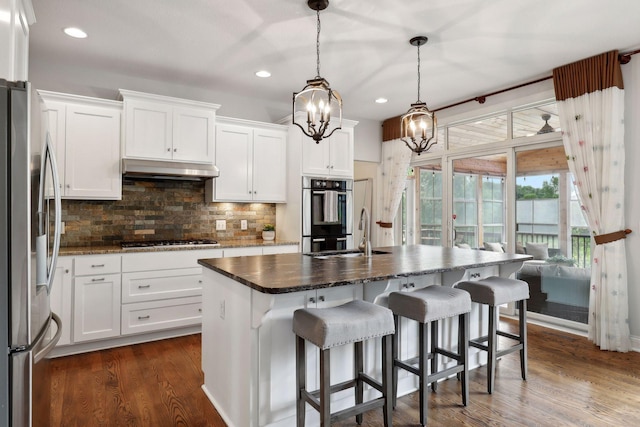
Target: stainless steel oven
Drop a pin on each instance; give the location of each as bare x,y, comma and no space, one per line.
327,214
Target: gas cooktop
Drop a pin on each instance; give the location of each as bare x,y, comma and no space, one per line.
168,243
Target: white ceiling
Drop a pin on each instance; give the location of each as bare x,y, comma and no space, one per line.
475,46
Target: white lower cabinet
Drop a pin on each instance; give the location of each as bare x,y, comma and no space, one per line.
96,308
162,290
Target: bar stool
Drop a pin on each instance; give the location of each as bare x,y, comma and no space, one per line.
427,306
353,322
495,291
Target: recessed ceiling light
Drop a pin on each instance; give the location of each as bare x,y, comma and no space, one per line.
381,100
74,32
263,73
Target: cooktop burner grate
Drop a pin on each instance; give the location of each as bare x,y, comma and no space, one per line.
173,243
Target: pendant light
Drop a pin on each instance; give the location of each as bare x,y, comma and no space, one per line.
418,126
320,102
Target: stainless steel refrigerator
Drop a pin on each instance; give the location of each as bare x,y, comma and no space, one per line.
29,241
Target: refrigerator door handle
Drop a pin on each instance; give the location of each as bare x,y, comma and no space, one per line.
45,276
51,344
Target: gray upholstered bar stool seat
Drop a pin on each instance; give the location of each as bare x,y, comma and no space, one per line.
427,306
353,322
495,291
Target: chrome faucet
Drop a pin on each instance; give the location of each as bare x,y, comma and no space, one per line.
365,243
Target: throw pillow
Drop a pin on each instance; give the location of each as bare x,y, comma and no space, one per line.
538,250
463,245
495,247
519,248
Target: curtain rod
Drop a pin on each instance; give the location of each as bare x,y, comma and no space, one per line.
624,59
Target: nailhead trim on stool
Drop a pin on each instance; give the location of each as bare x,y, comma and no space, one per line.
353,322
427,306
495,291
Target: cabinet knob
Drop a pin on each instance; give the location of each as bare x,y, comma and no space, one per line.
199,310
331,166
175,149
200,281
168,149
328,166
68,185
321,298
66,270
312,300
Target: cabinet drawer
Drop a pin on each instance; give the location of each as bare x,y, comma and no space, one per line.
152,261
158,315
97,264
233,252
480,273
158,285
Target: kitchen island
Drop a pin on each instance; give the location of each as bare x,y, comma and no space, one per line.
248,347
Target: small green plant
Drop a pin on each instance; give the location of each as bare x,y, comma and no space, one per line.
268,227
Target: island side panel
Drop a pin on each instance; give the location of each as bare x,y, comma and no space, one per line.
227,351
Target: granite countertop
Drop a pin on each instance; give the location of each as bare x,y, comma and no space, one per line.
283,273
222,244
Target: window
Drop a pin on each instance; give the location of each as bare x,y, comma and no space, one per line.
430,206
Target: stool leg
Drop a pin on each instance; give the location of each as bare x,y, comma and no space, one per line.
387,368
301,365
325,388
523,337
424,374
434,353
492,345
395,340
358,365
463,351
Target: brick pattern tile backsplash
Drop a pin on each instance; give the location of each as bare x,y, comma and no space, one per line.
159,210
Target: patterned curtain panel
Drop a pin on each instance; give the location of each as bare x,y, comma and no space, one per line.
395,161
590,99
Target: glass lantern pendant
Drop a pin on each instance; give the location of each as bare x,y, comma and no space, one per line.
317,99
418,126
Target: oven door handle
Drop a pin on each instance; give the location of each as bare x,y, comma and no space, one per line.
340,193
319,240
341,239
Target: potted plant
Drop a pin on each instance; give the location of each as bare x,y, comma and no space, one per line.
268,232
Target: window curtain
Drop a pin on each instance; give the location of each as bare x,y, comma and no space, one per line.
395,162
590,97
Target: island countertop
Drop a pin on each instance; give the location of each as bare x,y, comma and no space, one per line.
283,273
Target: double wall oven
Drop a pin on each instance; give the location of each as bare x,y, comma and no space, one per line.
327,214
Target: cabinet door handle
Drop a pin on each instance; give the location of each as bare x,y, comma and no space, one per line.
144,286
144,317
312,300
321,298
412,285
97,265
99,279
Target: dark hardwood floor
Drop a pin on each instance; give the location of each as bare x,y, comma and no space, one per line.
570,383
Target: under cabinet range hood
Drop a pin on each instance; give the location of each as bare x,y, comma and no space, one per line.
157,169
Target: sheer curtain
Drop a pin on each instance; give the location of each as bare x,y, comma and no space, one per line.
590,99
395,161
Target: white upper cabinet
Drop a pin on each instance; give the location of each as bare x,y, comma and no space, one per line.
251,157
332,156
14,34
86,136
164,128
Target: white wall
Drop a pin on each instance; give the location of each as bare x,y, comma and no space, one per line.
631,77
